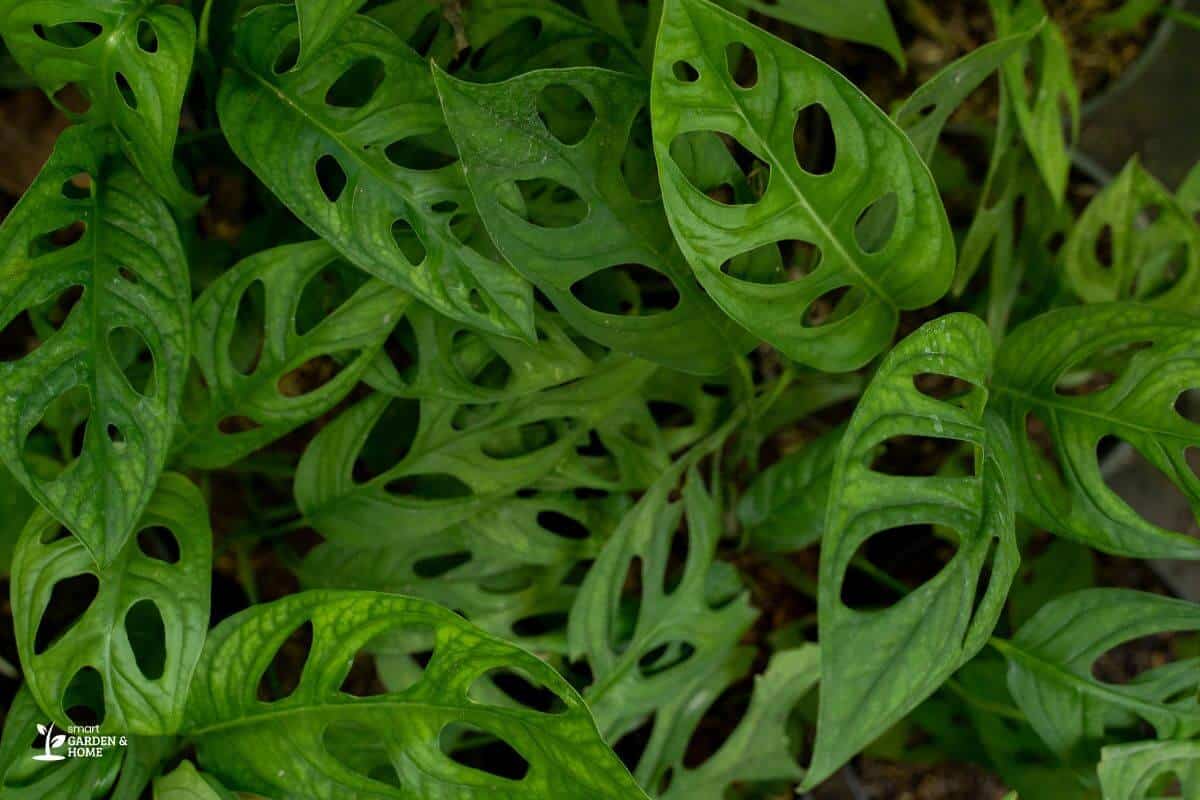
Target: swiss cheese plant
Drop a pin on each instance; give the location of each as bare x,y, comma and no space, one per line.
588,399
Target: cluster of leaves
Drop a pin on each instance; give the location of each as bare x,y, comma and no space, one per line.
532,284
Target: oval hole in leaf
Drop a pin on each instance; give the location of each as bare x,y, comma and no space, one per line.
504,683
549,204
540,624
627,290
69,35
282,675
147,637
324,292
637,163
237,423
308,377
742,64
437,566
905,557
409,243
562,525
835,304
401,349
159,543
946,388
126,91
249,329
1128,661
1103,248
1143,487
814,140
83,699
524,440
424,152
664,657
355,747
477,749
17,338
289,54
331,177
357,85
1098,369
914,456
57,239
775,262
478,363
877,223
78,187
1187,405
685,72
389,441
725,713
147,37
566,113
429,486
69,600
133,355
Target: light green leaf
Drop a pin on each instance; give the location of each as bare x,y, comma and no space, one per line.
321,747
130,266
684,624
368,165
1050,668
141,635
864,21
926,112
1048,110
758,749
878,664
185,783
442,462
898,256
131,58
1135,241
254,387
517,167
784,507
1133,771
1036,369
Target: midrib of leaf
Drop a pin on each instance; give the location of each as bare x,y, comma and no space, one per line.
382,178
800,201
1079,412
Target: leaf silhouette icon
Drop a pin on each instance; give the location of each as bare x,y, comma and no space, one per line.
41,729
58,740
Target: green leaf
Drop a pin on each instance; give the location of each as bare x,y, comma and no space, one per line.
1037,370
1126,17
926,112
684,623
1189,192
141,634
864,21
878,664
255,387
758,749
131,59
784,507
322,746
1048,106
320,20
368,166
898,256
517,166
1135,241
1050,668
447,461
130,266
185,783
1063,567
1133,771
15,508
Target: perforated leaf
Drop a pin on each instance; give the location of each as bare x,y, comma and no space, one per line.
877,664
865,21
1050,668
1135,241
1070,379
559,205
1133,771
141,634
131,58
90,231
263,380
323,745
899,255
368,165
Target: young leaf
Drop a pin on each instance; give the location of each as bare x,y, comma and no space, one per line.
367,163
1157,358
131,60
1135,241
518,164
878,664
240,740
875,218
1050,668
1132,771
185,783
129,265
142,632
865,21
352,332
